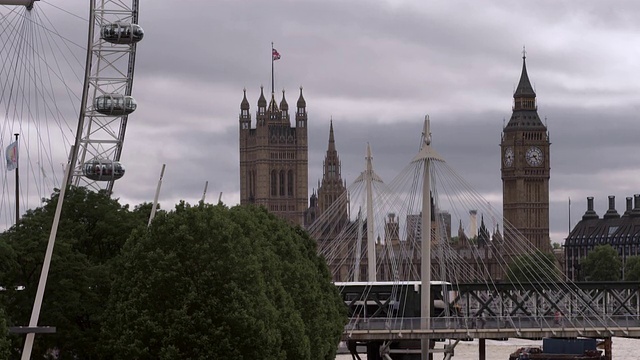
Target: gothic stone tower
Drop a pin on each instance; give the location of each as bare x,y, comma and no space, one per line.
525,168
274,157
332,187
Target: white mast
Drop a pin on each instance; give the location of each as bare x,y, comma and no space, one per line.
426,155
154,208
371,241
44,273
356,271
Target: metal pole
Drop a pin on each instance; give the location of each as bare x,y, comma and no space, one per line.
204,192
155,199
272,81
17,181
35,313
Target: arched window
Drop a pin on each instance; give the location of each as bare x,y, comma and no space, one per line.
253,184
282,182
290,183
274,183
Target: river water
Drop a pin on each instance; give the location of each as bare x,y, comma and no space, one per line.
623,349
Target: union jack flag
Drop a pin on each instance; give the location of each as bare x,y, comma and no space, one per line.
275,54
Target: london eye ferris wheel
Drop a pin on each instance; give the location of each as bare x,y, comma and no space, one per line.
66,83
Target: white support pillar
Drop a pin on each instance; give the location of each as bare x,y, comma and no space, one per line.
356,270
371,241
426,155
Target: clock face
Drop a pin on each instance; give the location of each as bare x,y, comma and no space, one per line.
534,156
508,156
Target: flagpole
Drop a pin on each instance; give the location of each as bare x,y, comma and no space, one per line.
17,185
272,82
569,214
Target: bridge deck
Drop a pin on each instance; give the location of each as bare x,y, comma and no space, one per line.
457,328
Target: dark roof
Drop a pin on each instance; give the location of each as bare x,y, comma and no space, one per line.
262,101
284,106
244,105
524,88
301,102
525,120
525,115
332,141
613,230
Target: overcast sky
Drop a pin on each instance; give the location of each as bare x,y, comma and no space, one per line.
377,68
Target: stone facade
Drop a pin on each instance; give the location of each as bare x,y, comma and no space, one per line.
525,170
274,157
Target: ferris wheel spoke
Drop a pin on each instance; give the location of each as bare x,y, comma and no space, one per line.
42,77
44,100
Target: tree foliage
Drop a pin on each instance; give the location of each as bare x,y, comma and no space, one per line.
5,344
203,282
211,282
536,267
632,268
92,231
602,264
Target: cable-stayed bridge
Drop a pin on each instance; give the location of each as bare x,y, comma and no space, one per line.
485,283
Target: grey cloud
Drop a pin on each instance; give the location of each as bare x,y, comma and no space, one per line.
378,67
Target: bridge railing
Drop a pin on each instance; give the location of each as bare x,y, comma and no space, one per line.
499,323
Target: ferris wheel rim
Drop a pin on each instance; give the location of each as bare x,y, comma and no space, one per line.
94,48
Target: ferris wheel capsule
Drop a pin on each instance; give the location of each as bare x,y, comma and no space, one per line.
27,3
102,170
115,104
121,33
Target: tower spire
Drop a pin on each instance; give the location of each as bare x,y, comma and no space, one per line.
244,105
524,88
301,102
262,102
332,142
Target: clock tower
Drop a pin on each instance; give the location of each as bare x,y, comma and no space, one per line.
525,170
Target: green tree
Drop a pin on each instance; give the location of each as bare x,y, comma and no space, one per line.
602,264
210,282
92,231
536,267
632,269
5,344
